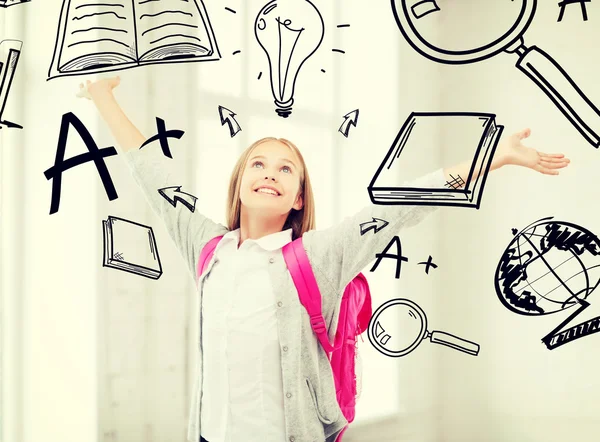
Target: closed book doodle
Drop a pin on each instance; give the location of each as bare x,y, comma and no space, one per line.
425,143
130,247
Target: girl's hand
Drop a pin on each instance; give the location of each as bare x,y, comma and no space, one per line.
97,88
512,151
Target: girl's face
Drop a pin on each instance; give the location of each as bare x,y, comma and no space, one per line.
271,179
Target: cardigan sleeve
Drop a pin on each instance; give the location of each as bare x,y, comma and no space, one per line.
189,230
340,252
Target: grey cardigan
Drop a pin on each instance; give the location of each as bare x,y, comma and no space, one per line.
336,254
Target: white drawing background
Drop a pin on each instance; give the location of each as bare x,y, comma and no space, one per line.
90,353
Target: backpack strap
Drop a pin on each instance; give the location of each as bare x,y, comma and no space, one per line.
310,296
206,254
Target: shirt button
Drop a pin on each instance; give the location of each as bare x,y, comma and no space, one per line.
289,395
271,260
292,438
285,348
279,304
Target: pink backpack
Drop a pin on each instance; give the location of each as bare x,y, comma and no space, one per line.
354,317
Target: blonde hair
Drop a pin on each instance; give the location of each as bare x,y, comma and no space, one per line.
299,221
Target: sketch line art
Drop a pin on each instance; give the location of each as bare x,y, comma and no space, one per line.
429,263
162,136
456,183
398,256
289,32
536,64
228,117
376,224
94,154
7,3
478,130
549,267
564,3
131,247
424,7
173,194
10,51
410,320
121,35
351,118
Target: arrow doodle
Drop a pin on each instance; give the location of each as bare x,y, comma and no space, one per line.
234,127
173,194
377,224
351,118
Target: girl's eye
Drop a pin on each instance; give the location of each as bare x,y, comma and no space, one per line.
287,168
256,163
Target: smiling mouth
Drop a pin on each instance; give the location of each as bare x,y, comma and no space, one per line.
264,191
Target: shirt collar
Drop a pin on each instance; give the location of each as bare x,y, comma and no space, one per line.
270,242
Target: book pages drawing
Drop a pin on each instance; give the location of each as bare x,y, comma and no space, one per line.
101,37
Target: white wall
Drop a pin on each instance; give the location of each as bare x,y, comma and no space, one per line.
517,389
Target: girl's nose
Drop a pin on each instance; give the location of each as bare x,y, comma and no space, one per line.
272,178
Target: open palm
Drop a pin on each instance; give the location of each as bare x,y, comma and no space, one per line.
90,89
512,151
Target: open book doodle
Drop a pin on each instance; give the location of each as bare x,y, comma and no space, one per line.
10,50
416,150
7,3
131,247
122,34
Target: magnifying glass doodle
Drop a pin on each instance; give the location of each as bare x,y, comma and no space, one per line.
478,40
411,325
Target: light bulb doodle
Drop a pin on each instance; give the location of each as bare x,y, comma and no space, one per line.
289,31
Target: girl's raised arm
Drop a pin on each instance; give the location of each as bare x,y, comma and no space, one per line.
100,92
188,229
340,252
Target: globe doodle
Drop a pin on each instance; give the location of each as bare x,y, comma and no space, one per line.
548,267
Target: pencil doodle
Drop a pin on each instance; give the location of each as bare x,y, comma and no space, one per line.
477,130
162,136
10,51
376,224
101,37
94,154
7,3
228,116
398,256
428,263
173,194
548,267
351,118
409,323
131,247
289,32
418,28
564,3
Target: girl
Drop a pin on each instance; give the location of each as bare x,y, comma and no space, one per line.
262,375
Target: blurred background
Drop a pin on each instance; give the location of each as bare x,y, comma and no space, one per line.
90,353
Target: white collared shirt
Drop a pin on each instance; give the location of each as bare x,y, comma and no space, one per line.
242,384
